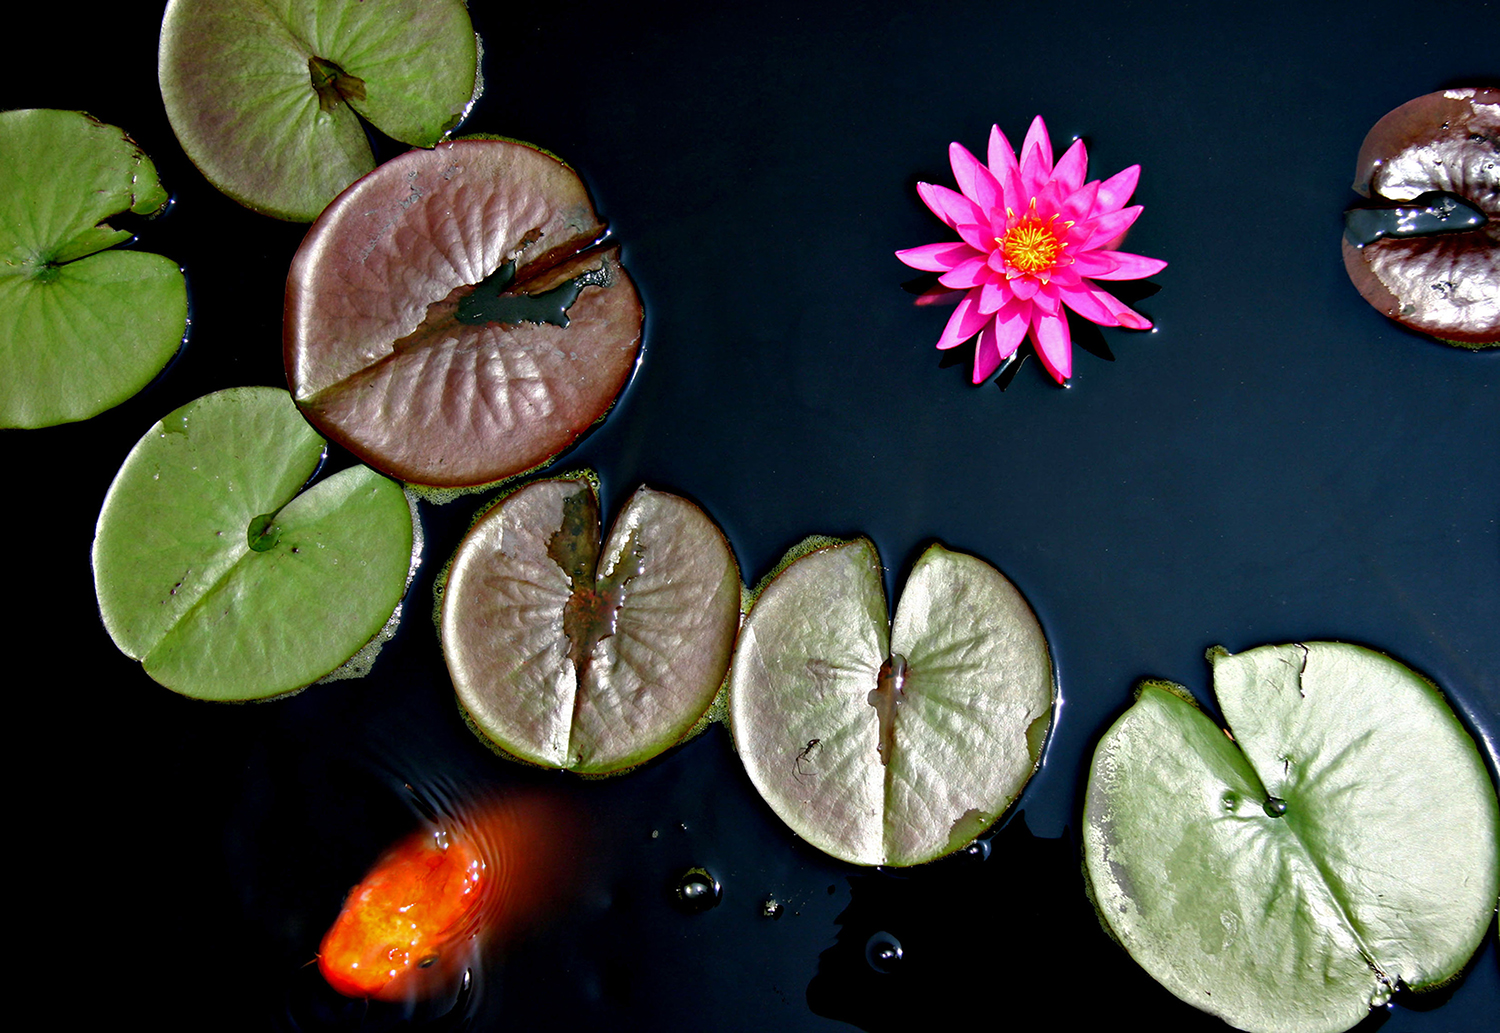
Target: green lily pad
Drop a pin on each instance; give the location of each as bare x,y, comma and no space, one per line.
890,744
84,327
449,321
1338,842
265,95
572,657
219,577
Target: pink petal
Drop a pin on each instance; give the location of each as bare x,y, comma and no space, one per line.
994,294
1108,228
1006,170
1025,287
977,182
1125,265
971,272
1071,169
1086,301
1036,158
1010,326
986,353
1046,301
964,323
1000,338
949,205
979,237
1082,203
936,258
1118,313
1116,190
1054,345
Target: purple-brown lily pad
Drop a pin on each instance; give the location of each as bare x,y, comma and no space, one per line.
450,319
1427,253
570,655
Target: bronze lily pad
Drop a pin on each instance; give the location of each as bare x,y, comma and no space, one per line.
1434,159
568,655
450,320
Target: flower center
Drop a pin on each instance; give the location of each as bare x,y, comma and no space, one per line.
1032,245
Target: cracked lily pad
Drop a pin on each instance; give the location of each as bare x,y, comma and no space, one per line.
85,327
890,743
224,581
449,321
266,96
572,656
1342,843
1426,250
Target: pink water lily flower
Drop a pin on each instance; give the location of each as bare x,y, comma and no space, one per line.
1034,234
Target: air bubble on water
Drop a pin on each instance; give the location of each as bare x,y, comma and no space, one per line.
883,952
979,850
697,891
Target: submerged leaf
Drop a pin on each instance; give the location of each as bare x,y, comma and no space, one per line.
263,96
219,577
84,328
1341,844
890,744
448,320
594,660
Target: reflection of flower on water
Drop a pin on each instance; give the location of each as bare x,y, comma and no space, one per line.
1033,234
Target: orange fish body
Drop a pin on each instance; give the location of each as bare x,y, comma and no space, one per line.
426,911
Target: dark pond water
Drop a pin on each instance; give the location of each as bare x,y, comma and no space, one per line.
1275,462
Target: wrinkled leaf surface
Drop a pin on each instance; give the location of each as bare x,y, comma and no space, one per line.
383,351
219,577
1447,284
957,695
1344,841
263,94
82,328
573,656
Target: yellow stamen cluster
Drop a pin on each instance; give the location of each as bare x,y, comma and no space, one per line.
1032,244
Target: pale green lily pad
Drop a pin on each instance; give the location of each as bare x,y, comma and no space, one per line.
890,744
219,577
1342,843
569,655
265,95
82,328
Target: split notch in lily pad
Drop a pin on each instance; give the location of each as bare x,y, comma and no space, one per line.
572,656
224,581
266,98
449,319
86,325
890,744
1338,841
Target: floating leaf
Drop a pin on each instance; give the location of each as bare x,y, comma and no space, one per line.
84,328
219,577
573,657
1429,256
1340,844
263,96
890,744
448,321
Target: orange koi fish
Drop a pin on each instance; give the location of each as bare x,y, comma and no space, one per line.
431,906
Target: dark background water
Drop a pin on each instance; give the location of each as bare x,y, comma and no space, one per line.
1275,462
